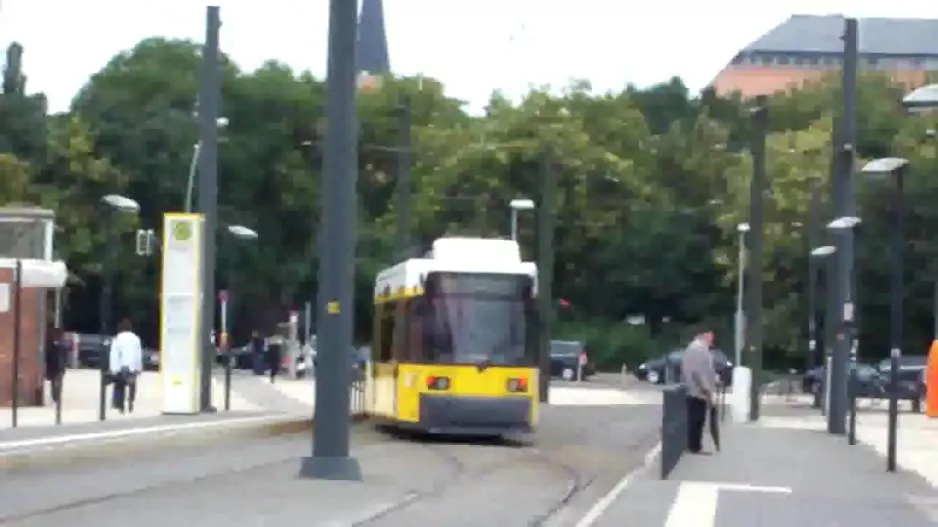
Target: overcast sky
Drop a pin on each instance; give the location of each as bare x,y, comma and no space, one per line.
473,46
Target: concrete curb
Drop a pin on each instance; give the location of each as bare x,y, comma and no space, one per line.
57,451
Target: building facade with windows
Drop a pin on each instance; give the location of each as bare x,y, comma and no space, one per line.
806,48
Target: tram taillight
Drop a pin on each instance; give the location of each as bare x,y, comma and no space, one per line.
437,383
519,385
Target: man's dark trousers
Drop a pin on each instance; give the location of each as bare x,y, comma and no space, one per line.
696,417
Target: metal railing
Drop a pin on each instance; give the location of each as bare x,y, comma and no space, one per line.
673,428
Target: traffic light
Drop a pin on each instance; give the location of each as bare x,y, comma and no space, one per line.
146,242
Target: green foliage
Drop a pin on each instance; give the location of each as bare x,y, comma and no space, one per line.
651,186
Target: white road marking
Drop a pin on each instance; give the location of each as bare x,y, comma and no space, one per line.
130,432
696,502
600,506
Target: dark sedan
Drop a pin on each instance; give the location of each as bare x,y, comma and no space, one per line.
873,381
656,370
565,357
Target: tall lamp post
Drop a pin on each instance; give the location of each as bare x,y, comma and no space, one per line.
221,122
814,356
894,167
760,118
516,206
835,384
740,319
116,204
239,232
925,100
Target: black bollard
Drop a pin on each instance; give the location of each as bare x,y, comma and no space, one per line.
893,409
228,362
853,387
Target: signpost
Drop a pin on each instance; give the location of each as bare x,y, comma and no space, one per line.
180,313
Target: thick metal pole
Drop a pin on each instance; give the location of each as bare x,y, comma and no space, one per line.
810,356
404,185
739,322
17,323
896,314
209,98
545,268
330,456
843,341
760,117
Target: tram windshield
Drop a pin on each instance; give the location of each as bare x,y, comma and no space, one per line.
478,319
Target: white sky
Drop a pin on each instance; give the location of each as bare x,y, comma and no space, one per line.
473,46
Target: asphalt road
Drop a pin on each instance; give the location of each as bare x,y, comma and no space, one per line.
551,478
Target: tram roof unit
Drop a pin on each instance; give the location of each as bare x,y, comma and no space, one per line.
454,255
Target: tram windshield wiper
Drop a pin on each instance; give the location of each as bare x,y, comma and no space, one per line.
484,364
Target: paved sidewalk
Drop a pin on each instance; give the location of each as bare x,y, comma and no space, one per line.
771,476
917,446
80,400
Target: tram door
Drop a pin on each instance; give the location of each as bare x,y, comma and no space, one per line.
384,371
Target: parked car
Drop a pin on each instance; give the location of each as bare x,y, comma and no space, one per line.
654,370
565,359
91,348
873,381
151,359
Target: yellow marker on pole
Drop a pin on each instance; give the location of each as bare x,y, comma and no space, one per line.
333,307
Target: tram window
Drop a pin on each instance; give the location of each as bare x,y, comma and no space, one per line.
386,333
475,318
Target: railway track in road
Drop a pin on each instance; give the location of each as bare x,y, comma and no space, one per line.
472,465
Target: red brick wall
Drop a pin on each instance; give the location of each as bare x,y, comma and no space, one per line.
31,367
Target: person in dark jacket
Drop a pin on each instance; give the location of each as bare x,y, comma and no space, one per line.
56,361
257,353
274,354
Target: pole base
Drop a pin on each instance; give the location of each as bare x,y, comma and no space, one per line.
344,468
209,410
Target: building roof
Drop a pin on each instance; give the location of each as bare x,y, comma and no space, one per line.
372,53
822,34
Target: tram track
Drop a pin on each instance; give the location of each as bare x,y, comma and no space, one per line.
462,473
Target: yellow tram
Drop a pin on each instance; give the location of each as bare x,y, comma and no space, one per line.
455,341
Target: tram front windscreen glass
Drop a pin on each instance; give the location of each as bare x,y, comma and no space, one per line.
478,318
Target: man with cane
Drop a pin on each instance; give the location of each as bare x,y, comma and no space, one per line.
700,379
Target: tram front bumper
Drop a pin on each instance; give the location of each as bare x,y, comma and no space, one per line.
473,414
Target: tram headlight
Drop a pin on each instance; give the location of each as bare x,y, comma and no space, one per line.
519,385
437,383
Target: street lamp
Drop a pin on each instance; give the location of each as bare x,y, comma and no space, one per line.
826,250
816,253
116,204
740,321
221,122
894,166
518,205
239,232
921,100
835,383
242,232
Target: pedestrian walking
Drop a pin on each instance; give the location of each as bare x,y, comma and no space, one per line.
56,361
258,352
700,380
274,354
126,362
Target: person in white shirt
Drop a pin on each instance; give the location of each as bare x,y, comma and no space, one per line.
126,362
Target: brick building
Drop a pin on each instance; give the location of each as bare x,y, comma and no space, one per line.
805,48
26,236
